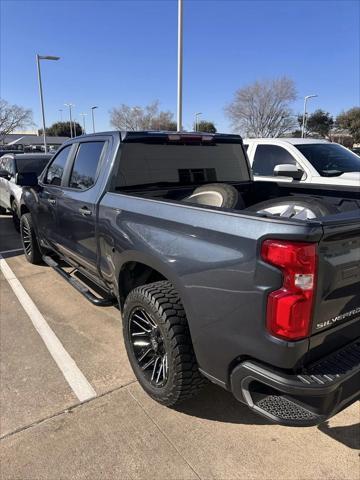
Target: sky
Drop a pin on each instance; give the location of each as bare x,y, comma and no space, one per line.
115,52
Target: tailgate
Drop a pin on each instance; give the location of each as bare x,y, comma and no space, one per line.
338,291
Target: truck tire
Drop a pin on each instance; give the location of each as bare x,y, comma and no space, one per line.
15,215
301,208
214,195
29,241
158,344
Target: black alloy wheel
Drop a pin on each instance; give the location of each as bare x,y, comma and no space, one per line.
158,343
148,346
29,241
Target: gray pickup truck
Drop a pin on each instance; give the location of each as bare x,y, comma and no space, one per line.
254,286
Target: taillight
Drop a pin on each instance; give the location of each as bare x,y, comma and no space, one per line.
289,309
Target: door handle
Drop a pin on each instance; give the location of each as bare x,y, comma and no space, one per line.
52,201
85,211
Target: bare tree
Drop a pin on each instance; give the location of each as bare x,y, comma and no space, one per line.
13,117
262,109
142,118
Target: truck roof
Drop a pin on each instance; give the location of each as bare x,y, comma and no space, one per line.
292,141
131,134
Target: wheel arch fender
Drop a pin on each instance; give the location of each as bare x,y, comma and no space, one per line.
130,259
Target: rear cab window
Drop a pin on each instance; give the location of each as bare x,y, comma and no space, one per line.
152,165
36,165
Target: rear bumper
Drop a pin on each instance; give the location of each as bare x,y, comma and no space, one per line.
304,399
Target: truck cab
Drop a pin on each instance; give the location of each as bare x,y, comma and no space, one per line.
303,160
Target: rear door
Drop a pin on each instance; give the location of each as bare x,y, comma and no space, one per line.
76,208
8,164
2,183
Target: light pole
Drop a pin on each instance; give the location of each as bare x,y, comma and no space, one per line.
304,114
61,114
84,125
93,117
38,58
196,120
70,105
180,64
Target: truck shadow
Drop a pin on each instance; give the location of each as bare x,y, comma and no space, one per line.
348,435
214,403
9,237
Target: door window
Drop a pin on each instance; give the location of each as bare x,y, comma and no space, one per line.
83,175
8,165
56,169
268,156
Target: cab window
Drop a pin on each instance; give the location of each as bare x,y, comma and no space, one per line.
83,174
268,156
55,171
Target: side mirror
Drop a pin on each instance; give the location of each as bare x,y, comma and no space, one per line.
27,179
288,170
5,174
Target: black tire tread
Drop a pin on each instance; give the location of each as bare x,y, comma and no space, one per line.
15,216
165,299
36,256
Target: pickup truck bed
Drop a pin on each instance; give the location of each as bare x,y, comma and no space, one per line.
261,305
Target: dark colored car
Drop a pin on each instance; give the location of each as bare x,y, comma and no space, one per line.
214,278
11,165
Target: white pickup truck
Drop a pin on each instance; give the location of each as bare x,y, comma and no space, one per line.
303,160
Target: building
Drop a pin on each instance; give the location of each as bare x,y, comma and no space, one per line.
30,141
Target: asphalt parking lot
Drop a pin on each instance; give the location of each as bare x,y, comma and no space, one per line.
48,433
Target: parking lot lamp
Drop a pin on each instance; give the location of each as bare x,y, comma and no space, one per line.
83,115
304,114
197,120
38,58
70,105
93,117
180,63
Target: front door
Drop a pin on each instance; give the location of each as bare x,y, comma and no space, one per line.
48,197
77,206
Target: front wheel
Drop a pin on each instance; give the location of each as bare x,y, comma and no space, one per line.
158,343
15,215
29,241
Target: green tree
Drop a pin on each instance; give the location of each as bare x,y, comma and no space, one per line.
206,126
350,120
319,123
62,129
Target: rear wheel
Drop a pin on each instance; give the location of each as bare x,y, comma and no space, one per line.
158,343
29,241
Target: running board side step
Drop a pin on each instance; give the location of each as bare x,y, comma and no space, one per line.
80,287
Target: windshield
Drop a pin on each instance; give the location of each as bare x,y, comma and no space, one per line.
35,165
147,165
330,160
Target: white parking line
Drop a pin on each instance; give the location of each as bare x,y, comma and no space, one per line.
11,251
73,375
